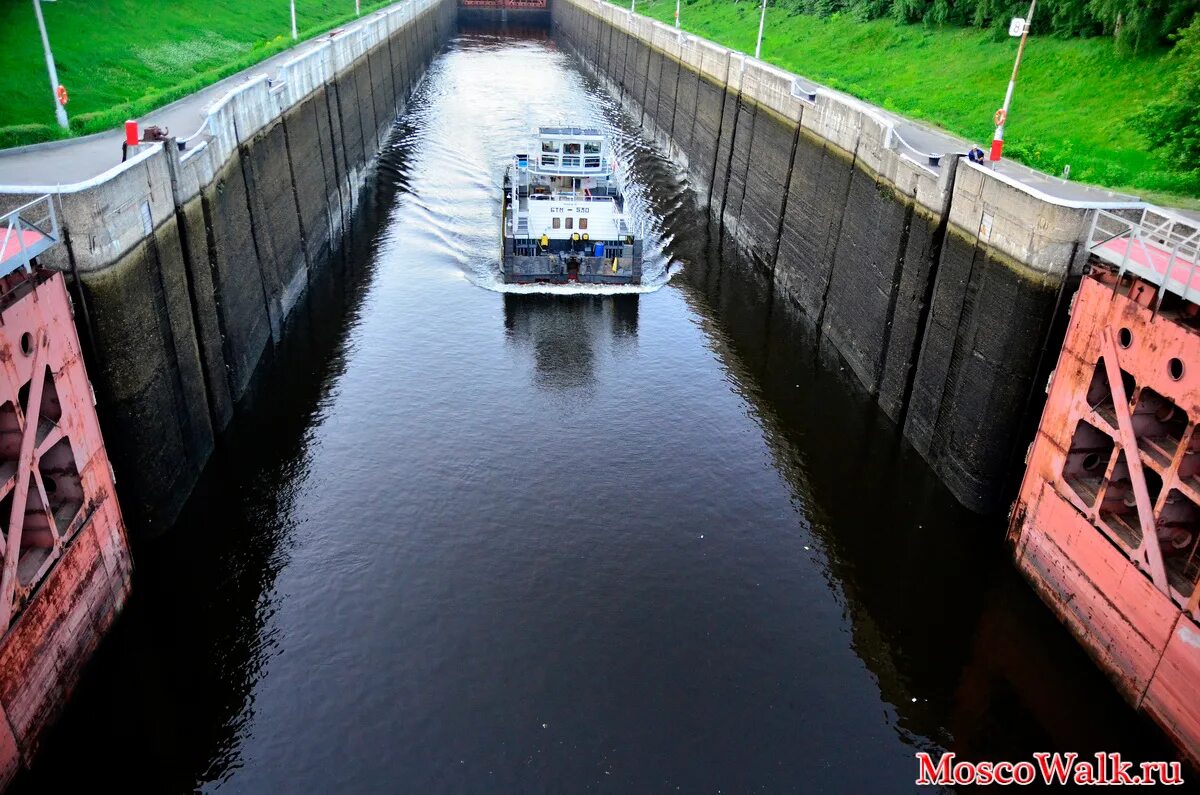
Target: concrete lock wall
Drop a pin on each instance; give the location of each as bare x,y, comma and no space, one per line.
936,282
187,264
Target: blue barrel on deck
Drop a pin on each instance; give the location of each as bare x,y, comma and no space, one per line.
598,250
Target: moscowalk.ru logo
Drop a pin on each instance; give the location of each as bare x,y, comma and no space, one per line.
1102,769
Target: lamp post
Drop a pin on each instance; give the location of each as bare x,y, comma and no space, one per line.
1002,114
294,34
677,14
357,9
60,112
762,21
632,6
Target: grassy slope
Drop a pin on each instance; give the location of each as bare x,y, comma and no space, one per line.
1073,97
121,58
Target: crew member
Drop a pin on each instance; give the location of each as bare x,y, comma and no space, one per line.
975,155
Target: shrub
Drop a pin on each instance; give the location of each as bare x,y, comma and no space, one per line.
21,134
1173,122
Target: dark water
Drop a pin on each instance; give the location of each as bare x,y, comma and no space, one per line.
468,541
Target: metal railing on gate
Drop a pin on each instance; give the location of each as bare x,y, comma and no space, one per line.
26,232
1153,244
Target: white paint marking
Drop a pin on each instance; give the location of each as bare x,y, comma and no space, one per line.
1189,636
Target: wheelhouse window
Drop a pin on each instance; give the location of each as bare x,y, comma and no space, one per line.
555,222
591,162
591,148
571,149
569,161
570,222
549,160
583,223
549,146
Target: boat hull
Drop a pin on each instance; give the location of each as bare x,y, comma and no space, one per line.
562,269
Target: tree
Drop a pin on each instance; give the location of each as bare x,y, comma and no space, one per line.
1137,24
1173,123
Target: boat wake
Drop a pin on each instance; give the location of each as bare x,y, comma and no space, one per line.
454,168
648,285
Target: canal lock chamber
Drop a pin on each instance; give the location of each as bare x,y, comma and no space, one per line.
648,536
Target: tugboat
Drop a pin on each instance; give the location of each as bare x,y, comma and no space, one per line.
564,214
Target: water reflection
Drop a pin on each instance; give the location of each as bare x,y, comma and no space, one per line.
565,334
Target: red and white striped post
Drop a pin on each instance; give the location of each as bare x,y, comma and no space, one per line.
1002,114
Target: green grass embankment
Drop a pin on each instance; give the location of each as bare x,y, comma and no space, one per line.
121,59
1072,107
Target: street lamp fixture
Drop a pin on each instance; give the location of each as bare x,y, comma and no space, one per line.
56,90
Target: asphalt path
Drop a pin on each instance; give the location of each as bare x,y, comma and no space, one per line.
79,159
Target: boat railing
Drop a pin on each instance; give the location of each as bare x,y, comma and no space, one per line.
579,197
574,171
530,247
